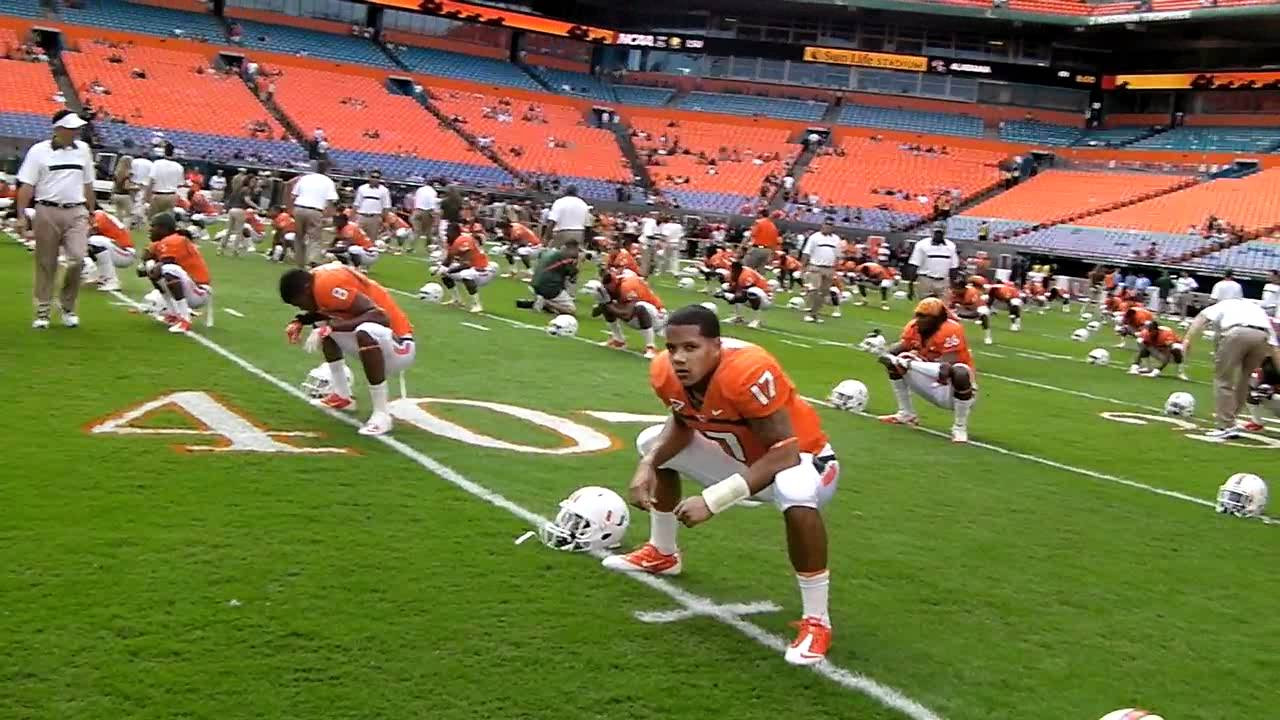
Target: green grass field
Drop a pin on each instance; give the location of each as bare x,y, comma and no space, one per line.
1061,566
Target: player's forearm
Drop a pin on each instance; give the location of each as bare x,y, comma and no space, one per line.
374,316
782,455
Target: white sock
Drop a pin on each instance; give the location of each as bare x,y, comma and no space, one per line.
962,408
457,294
902,392
338,378
648,336
475,300
755,313
987,333
662,531
814,590
183,310
378,396
615,329
737,310
102,262
1255,412
169,303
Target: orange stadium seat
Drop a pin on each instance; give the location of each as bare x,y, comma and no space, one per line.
542,137
25,87
1250,203
1065,195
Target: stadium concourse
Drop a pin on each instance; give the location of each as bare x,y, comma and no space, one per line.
958,408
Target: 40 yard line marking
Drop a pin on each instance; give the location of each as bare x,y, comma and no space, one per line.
885,695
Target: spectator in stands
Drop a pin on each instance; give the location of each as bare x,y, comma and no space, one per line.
1227,288
984,231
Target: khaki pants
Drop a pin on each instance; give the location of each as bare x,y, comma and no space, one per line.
560,237
1241,350
309,223
235,230
926,286
820,279
757,257
124,208
370,225
648,256
160,204
424,226
65,229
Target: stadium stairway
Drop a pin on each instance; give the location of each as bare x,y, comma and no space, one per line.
395,59
273,108
63,79
541,81
797,170
832,115
425,101
622,131
1079,217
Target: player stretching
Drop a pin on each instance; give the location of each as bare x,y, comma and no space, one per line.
1262,394
1161,343
746,287
932,359
738,428
1011,296
352,315
110,248
877,275
522,243
631,301
467,265
175,267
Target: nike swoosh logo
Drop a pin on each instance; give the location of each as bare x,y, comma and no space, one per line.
651,563
717,413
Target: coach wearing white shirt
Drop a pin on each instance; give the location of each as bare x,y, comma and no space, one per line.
1226,289
372,201
310,201
819,255
568,218
1245,338
934,258
162,189
426,213
58,175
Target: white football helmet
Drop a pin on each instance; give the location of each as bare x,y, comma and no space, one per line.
1099,356
796,303
874,342
1080,335
1086,316
1093,326
774,285
153,303
1180,404
685,283
318,384
1131,714
711,306
1242,495
592,519
431,292
846,296
900,295
590,287
402,233
850,395
563,326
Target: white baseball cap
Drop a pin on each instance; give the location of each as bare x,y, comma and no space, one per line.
68,121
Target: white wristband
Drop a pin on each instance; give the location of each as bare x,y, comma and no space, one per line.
726,493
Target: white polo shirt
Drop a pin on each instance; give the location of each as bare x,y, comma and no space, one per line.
1270,295
569,213
935,261
58,176
166,177
1185,285
822,248
314,191
372,200
1228,314
426,198
1226,289
140,172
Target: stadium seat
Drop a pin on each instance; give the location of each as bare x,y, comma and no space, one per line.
1056,196
911,120
965,227
590,157
1254,256
486,71
195,145
26,88
1108,244
1111,137
22,8
147,19
1251,202
1214,139
752,106
1029,131
647,96
312,43
575,83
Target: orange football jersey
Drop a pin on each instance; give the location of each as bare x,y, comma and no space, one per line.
722,260
1137,316
750,278
873,271
106,225
633,288
1163,337
946,339
335,289
466,248
353,235
1004,292
521,235
747,384
968,297
284,222
183,252
620,260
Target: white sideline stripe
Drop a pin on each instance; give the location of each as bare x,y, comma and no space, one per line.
625,417
988,353
1030,356
475,326
235,313
670,616
797,344
885,695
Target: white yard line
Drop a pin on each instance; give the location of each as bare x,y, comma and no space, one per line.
475,326
235,313
885,695
797,344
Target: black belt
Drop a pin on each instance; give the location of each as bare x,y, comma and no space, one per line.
308,207
64,206
370,214
1250,327
936,277
172,192
820,463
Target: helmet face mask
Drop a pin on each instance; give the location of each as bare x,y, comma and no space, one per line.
1242,495
592,519
1180,404
849,395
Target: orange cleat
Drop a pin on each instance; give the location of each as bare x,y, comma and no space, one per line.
900,419
334,401
645,559
614,344
811,643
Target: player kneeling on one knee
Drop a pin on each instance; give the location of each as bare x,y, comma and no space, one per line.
110,247
465,265
932,359
740,429
173,264
630,300
1160,344
351,245
352,315
747,287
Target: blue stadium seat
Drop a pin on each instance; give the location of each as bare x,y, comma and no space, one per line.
23,8
466,67
1030,131
146,19
1111,136
312,43
405,168
580,84
708,201
1214,139
911,120
198,146
1107,243
866,218
646,96
24,125
965,227
1254,256
752,106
